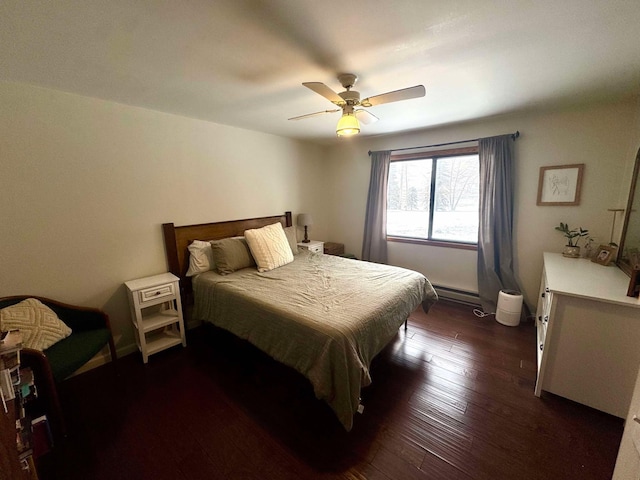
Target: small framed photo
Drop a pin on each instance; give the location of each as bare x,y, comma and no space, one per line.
604,255
560,185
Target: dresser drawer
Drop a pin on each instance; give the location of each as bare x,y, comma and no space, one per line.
154,293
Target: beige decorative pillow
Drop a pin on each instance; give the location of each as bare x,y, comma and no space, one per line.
269,247
231,254
40,326
291,234
200,258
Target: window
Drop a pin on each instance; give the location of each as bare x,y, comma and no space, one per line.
434,197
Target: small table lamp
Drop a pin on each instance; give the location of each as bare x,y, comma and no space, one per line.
305,220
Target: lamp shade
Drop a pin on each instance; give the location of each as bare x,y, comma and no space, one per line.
304,220
348,125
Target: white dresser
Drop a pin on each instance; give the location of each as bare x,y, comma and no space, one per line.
588,334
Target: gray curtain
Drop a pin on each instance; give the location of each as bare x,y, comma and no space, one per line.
374,244
495,231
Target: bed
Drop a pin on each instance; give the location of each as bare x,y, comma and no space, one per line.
325,316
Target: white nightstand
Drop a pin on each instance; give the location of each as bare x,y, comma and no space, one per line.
313,246
156,313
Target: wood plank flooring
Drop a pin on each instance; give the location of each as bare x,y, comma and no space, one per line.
452,398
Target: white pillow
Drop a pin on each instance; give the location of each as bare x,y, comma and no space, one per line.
269,247
39,325
200,257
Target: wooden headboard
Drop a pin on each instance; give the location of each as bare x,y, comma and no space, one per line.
178,239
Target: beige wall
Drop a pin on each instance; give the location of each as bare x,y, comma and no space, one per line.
85,185
603,137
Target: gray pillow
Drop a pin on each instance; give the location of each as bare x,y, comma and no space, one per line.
290,232
231,254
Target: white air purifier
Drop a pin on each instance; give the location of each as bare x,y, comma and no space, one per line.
509,308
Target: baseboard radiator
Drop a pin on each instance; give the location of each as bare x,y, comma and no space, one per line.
455,295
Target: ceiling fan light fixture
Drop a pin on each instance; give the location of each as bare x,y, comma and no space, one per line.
348,125
352,107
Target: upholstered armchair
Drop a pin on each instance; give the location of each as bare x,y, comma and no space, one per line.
90,333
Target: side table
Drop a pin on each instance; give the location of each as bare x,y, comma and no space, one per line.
331,248
156,313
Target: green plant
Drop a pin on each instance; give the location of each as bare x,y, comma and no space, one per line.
573,236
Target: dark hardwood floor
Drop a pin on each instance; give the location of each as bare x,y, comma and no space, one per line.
452,398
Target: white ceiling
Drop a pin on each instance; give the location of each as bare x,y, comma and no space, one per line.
242,62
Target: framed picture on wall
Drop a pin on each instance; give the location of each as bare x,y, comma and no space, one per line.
560,185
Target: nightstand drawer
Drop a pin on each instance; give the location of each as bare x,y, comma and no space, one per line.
150,294
313,246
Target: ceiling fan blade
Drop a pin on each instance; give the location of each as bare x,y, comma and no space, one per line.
314,114
321,89
366,117
396,96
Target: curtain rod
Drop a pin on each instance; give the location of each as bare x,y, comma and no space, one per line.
513,136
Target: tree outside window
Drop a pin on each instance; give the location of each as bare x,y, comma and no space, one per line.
434,198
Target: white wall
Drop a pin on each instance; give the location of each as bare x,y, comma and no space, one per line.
604,137
85,185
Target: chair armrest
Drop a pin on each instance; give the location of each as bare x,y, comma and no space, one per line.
46,385
33,354
37,361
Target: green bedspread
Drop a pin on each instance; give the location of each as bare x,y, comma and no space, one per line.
325,316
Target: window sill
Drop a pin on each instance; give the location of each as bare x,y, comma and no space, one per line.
433,243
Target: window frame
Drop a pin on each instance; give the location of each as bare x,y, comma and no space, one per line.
449,152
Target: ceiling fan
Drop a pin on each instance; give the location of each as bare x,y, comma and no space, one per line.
349,102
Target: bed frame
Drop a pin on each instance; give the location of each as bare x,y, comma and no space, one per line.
178,239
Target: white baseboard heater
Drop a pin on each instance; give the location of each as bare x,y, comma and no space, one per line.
455,295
